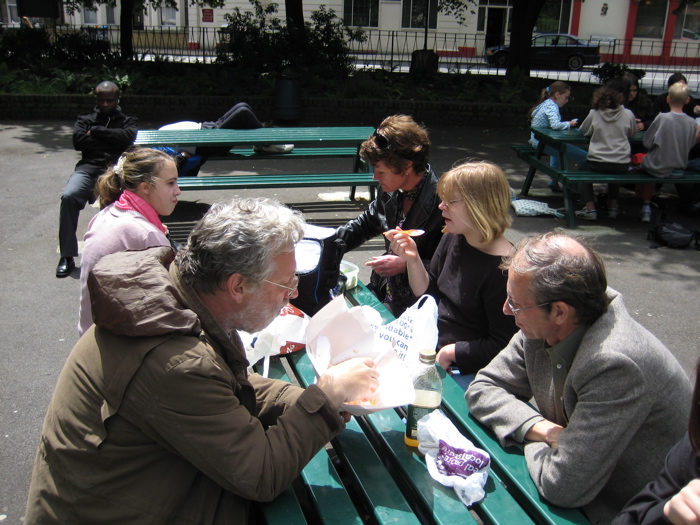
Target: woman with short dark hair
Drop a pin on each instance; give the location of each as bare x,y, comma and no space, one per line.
398,152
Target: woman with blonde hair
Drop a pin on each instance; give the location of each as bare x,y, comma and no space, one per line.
133,194
464,275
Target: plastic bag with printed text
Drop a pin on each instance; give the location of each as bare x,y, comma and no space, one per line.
414,330
452,459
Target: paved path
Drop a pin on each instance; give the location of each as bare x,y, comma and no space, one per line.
39,312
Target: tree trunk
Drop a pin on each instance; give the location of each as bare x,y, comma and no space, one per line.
524,15
295,15
126,23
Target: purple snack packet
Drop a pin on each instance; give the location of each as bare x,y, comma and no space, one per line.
452,461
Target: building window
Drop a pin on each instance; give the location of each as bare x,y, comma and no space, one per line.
364,13
12,13
554,17
688,24
110,15
413,15
494,14
651,19
168,16
89,16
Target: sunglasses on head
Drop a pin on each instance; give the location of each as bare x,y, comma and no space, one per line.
382,142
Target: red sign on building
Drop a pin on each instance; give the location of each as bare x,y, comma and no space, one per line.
207,15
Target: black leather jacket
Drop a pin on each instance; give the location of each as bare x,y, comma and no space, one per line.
383,214
102,139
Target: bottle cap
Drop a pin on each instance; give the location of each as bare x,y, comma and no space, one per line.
427,356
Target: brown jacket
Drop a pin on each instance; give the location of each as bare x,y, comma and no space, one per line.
155,420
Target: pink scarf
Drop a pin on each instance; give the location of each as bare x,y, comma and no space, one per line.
131,201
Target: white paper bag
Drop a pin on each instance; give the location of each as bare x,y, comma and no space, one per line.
338,333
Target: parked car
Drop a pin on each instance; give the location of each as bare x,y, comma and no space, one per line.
690,35
551,51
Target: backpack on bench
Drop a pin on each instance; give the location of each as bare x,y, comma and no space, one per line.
318,257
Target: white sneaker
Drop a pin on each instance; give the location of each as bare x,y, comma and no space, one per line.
587,215
645,215
274,148
613,213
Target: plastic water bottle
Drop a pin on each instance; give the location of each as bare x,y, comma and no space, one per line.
428,386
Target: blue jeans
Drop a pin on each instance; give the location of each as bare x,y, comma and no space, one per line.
576,156
78,191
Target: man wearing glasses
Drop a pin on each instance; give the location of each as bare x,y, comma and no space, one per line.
155,418
611,399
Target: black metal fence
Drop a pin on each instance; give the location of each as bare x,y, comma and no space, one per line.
392,50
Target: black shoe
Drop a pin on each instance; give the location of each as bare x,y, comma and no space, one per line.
65,267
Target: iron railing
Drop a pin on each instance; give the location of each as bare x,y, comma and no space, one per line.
392,50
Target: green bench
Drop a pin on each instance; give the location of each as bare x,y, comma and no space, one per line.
306,180
571,181
376,478
310,143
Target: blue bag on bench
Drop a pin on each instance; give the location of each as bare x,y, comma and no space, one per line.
318,257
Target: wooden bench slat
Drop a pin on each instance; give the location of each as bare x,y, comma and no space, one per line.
265,181
250,154
284,509
252,137
322,481
631,177
358,455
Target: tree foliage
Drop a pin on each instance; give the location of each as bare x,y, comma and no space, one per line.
261,42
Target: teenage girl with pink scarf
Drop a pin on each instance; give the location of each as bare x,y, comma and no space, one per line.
133,194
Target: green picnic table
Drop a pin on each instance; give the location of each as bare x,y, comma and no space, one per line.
368,475
309,142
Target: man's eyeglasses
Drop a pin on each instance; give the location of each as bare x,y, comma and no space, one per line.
290,289
515,310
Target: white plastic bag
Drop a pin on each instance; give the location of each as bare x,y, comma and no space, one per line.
414,330
452,459
284,335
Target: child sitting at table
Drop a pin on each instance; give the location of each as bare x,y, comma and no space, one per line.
669,139
609,124
546,115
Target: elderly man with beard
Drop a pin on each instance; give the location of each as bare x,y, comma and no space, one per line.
155,418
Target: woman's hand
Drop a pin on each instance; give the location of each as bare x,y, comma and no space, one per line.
446,356
573,123
402,245
640,125
684,507
387,265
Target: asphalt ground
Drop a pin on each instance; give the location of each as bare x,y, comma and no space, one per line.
39,312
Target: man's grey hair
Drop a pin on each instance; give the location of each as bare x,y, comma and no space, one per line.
562,268
242,236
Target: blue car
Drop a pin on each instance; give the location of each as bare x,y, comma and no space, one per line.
551,51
